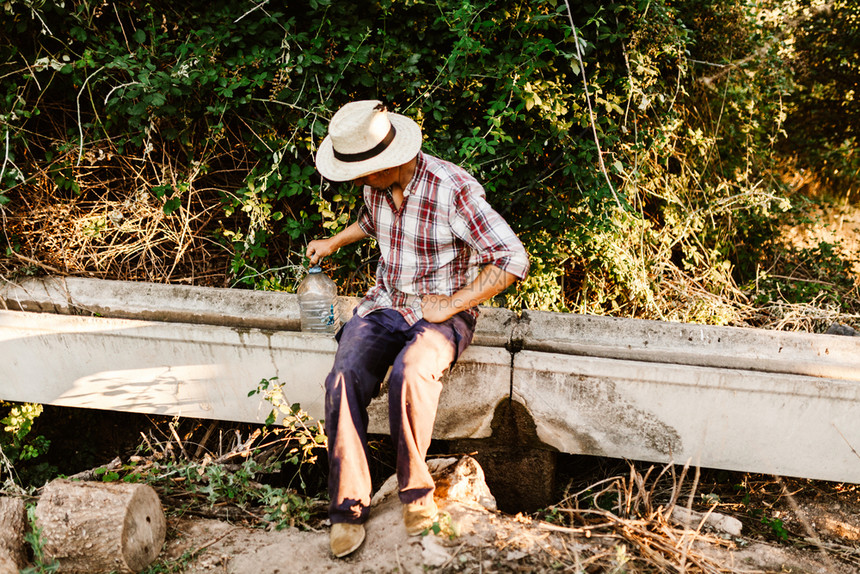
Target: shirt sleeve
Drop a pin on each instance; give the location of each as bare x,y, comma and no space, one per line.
474,221
365,221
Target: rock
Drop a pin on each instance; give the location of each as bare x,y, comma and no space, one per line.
519,468
463,481
842,329
717,521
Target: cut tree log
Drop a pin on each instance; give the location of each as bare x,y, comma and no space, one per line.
13,522
100,527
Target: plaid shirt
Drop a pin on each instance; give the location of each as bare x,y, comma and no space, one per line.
436,242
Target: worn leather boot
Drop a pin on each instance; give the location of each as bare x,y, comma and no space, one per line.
419,517
345,538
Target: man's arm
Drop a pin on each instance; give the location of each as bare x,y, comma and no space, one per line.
490,282
320,248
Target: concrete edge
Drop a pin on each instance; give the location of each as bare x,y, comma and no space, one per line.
811,354
818,355
271,310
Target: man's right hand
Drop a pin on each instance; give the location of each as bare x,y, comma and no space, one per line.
319,249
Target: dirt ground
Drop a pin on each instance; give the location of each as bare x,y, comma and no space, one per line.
491,541
477,538
487,540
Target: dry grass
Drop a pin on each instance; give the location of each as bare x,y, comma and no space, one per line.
630,522
213,469
633,512
97,215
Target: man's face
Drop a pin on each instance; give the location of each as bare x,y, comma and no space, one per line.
378,179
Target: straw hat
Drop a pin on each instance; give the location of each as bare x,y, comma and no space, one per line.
363,138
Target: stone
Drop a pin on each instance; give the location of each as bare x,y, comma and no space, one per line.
842,329
720,522
463,481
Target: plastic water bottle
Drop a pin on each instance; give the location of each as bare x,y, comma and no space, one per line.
318,302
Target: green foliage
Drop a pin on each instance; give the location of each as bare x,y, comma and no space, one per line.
18,447
777,527
33,537
201,486
638,165
174,566
306,436
17,423
828,277
211,482
822,111
444,525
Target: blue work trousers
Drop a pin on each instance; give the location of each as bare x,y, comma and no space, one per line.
418,356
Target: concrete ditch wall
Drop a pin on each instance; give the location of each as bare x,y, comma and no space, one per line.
718,397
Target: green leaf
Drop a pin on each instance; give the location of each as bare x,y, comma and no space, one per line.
172,205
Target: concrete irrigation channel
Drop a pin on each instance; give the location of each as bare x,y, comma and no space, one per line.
718,397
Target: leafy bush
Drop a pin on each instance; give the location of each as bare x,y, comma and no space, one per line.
822,112
636,154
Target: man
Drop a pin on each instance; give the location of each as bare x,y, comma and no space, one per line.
443,250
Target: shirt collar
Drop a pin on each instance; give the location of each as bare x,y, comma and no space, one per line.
420,166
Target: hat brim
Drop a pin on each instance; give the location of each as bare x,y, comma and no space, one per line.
405,146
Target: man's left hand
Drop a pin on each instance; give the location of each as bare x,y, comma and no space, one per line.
490,282
438,308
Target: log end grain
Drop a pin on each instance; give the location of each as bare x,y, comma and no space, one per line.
144,529
100,527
